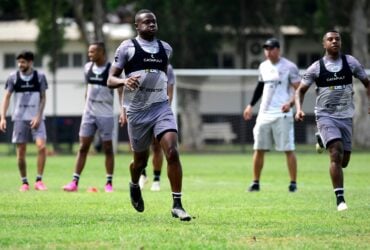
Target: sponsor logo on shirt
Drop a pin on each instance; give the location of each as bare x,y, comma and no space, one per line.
335,78
28,85
152,59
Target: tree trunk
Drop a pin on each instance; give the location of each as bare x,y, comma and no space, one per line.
98,19
361,121
80,20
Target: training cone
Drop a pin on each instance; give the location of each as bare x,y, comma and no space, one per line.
92,190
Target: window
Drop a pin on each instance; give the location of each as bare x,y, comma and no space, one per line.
38,61
302,60
9,61
63,60
228,61
306,59
77,59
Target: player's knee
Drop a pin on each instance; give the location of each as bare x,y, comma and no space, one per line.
41,149
336,156
84,149
108,149
172,155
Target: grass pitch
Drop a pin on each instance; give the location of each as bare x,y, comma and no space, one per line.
226,217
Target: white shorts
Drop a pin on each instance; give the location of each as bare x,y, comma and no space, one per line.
279,130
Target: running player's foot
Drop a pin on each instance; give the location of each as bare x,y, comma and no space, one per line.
24,188
254,187
71,187
179,212
142,181
156,186
108,188
319,144
292,187
136,198
39,185
342,206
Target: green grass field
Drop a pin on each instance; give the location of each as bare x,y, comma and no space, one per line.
226,217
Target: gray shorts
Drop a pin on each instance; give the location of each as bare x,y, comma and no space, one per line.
90,124
22,129
143,125
279,130
334,128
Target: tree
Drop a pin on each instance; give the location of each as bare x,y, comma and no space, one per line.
82,17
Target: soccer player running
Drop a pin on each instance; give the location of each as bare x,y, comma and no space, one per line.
157,158
144,60
97,116
29,87
334,107
278,77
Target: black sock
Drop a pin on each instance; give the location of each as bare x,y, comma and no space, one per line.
293,183
76,178
38,178
256,182
109,179
339,194
176,200
24,180
157,175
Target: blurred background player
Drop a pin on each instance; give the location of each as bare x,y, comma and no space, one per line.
334,109
97,116
278,78
157,158
29,87
144,61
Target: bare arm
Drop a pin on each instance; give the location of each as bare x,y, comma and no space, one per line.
366,83
115,81
170,93
35,122
122,113
299,97
4,109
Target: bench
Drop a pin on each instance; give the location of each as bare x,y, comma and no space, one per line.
218,131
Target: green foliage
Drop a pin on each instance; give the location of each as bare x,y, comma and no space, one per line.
10,10
50,38
214,186
182,24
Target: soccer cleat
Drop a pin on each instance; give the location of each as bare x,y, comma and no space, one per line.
24,188
71,187
319,144
156,186
292,187
342,206
142,181
39,185
254,187
108,188
136,198
179,212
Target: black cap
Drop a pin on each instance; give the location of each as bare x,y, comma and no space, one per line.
271,43
26,55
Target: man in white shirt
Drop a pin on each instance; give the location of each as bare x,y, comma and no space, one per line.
278,79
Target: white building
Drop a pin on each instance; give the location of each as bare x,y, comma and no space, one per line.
19,35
